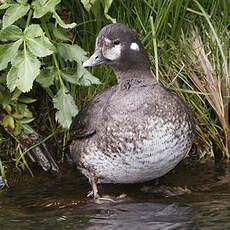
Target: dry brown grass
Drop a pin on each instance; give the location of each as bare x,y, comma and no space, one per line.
210,75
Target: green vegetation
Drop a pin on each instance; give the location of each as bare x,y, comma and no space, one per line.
43,84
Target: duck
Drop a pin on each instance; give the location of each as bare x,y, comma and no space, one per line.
134,131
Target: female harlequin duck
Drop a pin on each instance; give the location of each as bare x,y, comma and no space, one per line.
134,131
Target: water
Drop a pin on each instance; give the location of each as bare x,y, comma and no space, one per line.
189,197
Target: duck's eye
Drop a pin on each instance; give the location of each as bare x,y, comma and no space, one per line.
116,42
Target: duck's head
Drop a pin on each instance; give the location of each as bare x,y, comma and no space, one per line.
119,47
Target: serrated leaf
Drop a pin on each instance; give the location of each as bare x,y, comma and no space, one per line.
47,76
33,31
11,33
12,78
72,53
7,53
40,47
85,78
62,23
66,107
13,13
28,67
80,77
42,7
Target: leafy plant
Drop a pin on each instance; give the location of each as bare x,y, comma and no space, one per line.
25,45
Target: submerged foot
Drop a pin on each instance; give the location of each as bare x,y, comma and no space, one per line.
108,198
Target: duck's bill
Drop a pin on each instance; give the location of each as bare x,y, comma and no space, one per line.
96,59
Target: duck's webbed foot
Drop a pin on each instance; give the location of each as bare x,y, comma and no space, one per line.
101,199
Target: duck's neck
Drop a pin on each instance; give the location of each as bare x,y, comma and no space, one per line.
133,74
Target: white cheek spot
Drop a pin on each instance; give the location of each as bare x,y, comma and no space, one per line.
134,46
107,41
113,54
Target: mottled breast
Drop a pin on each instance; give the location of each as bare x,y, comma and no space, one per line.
143,132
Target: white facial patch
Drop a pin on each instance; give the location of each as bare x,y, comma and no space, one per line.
134,46
113,53
107,41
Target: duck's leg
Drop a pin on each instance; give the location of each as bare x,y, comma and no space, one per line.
93,182
97,197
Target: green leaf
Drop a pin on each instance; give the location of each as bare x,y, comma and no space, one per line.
60,34
72,53
12,78
13,13
85,78
28,67
26,120
88,4
40,47
23,2
11,33
27,129
5,96
42,7
80,76
20,108
33,31
70,75
37,43
18,129
8,121
107,4
62,23
47,76
26,100
6,4
66,107
8,52
18,115
27,113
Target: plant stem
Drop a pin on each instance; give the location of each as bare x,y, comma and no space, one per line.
155,47
44,26
29,18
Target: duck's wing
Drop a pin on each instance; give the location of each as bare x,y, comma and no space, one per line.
84,124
